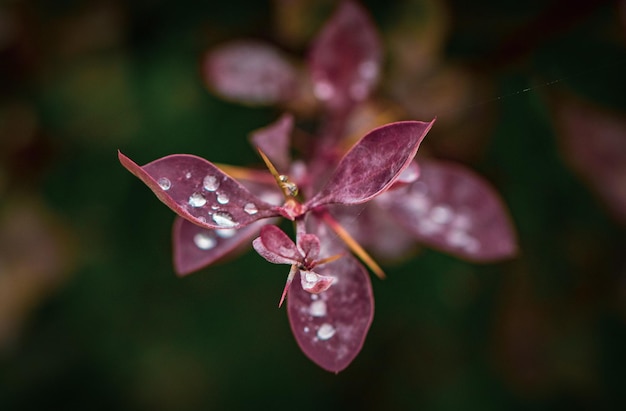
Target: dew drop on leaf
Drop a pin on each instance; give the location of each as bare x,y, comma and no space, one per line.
325,331
164,183
441,214
419,204
204,241
323,90
224,220
225,232
210,183
461,239
197,200
309,280
457,238
317,308
222,198
250,209
427,226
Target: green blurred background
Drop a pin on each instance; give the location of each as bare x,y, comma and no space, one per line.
93,317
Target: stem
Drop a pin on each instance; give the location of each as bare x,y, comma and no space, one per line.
270,166
289,189
243,173
292,273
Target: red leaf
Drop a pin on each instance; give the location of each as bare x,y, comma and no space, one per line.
276,246
409,175
373,163
198,191
374,229
451,208
309,245
594,140
346,56
250,72
196,247
330,327
273,141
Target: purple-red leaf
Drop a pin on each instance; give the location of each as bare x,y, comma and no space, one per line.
345,58
309,245
330,327
594,141
200,192
273,141
250,72
409,175
373,163
452,209
196,247
276,246
374,229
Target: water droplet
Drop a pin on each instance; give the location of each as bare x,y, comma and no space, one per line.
325,331
323,90
441,214
201,218
197,200
164,183
457,238
204,241
250,209
460,239
309,279
317,308
188,175
210,183
315,283
289,188
225,232
222,198
462,221
428,227
418,203
306,329
224,220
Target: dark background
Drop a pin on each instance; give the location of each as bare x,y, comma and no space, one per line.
93,317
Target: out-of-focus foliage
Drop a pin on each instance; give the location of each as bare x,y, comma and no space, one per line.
93,317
